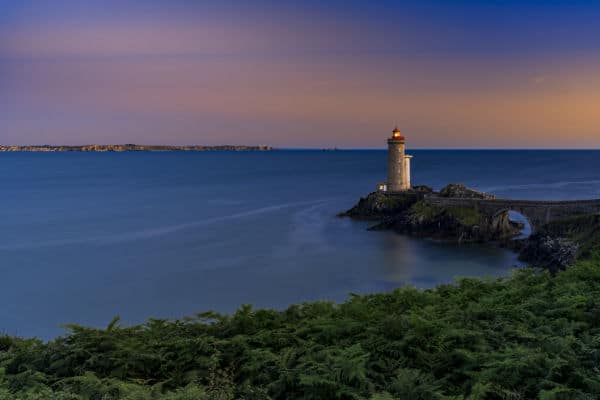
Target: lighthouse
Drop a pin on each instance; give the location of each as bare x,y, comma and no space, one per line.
398,165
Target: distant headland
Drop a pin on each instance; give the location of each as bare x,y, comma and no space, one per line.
130,147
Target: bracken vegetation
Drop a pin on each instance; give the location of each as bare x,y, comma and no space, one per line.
533,335
530,336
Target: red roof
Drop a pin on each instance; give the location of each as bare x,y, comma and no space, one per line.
396,134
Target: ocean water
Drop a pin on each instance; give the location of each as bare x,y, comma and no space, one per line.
87,236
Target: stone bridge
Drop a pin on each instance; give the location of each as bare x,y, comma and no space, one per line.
538,212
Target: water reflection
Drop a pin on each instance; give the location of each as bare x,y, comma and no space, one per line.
426,263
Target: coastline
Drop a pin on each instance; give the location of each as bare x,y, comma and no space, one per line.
131,147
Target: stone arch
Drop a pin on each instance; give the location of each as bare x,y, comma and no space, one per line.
538,212
508,216
533,217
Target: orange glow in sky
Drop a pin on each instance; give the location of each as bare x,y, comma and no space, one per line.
304,76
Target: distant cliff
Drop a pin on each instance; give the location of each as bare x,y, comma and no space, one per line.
131,147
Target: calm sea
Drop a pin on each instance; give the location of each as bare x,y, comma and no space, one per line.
86,237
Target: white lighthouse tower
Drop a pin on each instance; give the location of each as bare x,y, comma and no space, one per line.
398,165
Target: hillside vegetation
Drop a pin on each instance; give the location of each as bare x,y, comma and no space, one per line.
529,336
533,335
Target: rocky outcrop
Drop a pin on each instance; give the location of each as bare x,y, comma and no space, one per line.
454,224
458,213
380,205
552,253
130,147
408,212
458,190
562,242
424,189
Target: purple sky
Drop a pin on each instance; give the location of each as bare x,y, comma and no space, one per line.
312,74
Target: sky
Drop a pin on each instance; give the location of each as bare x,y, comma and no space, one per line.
450,74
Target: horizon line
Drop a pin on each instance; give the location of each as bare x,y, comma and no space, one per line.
442,148
326,148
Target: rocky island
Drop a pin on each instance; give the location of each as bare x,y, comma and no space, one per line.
460,214
410,212
562,231
131,147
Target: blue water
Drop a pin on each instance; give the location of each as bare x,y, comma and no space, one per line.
86,237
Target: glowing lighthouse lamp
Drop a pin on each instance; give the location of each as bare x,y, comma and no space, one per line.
396,134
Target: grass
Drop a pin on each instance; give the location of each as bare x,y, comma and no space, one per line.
425,211
466,216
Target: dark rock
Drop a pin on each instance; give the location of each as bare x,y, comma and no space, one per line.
408,213
454,224
552,253
378,205
385,224
423,189
461,191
